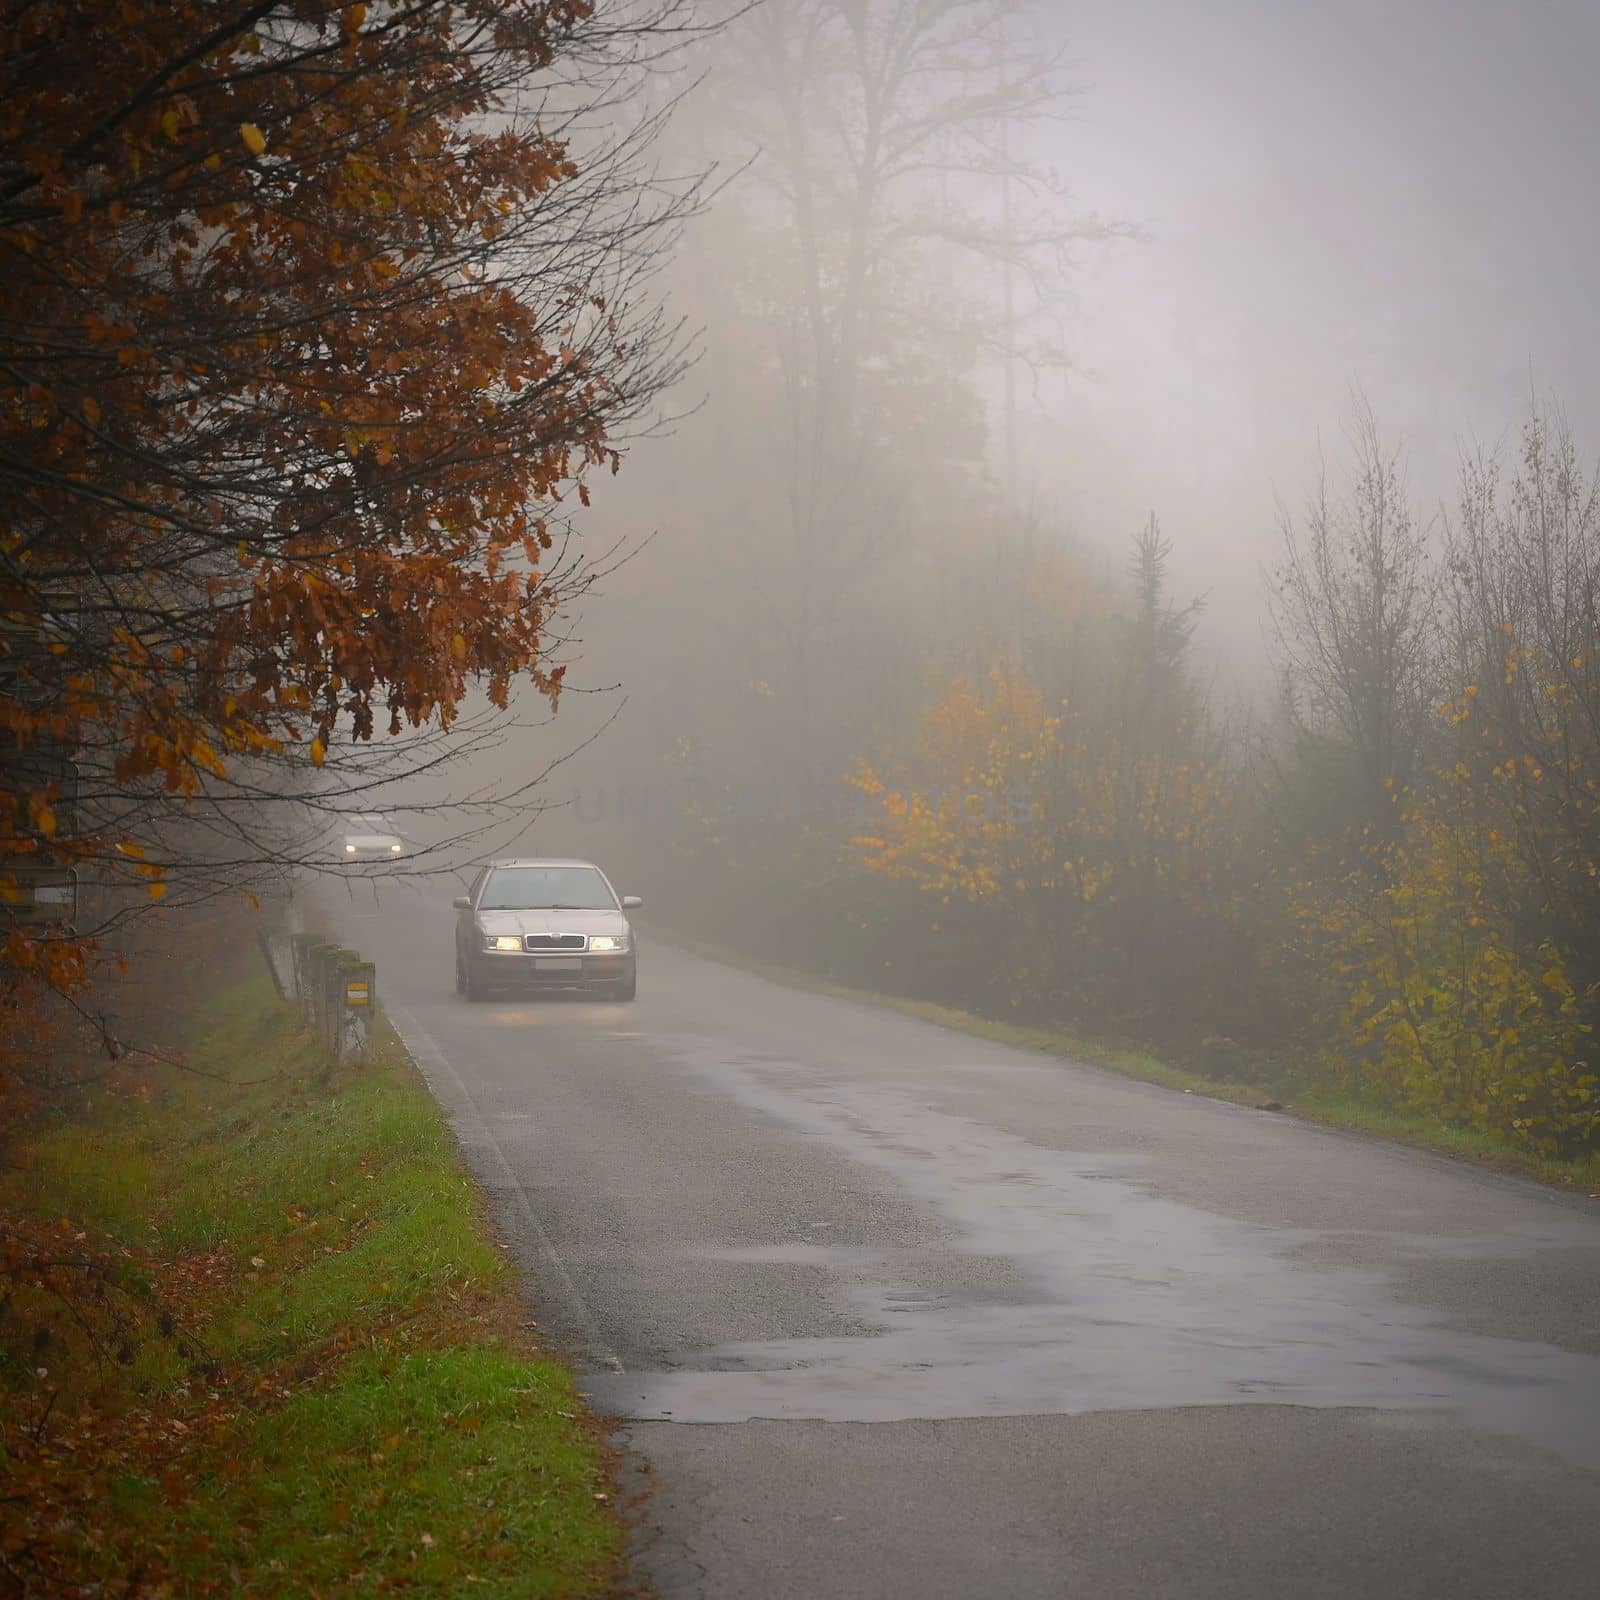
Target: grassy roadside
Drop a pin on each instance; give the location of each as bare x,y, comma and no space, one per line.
1322,1106
262,1344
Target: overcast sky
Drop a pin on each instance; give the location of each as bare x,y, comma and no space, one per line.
1398,196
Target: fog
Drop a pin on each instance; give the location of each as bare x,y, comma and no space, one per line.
906,697
1373,195
1327,206
1034,349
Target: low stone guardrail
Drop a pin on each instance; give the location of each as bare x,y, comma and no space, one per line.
336,990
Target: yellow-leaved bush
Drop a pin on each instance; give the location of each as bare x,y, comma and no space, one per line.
1441,1003
1094,860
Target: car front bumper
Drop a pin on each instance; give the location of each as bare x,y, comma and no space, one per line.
516,969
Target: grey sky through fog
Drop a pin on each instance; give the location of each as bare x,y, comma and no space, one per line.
1395,196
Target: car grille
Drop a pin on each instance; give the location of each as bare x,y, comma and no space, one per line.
553,941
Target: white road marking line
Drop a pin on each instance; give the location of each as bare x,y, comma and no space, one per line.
474,1127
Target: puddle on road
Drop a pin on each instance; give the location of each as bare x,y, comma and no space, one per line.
1132,1300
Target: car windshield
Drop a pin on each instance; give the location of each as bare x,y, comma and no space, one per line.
370,825
546,889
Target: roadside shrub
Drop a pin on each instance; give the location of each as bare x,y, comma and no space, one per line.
1441,1005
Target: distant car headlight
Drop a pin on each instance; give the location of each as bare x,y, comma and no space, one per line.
349,849
607,941
502,941
394,849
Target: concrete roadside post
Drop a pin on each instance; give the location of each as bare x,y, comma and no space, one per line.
358,996
301,946
279,956
333,996
321,959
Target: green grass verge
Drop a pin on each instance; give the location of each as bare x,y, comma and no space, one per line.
1314,1103
311,1377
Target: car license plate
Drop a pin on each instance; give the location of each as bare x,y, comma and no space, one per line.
557,964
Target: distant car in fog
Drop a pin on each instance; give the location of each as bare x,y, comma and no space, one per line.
545,924
371,838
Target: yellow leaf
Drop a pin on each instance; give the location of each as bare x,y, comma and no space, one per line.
46,819
255,141
91,408
169,123
319,751
458,647
157,891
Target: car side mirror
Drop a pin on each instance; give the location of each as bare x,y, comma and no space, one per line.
461,903
631,902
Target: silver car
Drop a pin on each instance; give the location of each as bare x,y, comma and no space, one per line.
531,925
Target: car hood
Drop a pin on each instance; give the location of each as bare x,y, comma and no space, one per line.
372,841
552,922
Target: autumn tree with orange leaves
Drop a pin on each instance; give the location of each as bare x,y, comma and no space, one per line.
314,321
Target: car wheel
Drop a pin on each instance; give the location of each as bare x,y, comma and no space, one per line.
631,987
472,987
461,976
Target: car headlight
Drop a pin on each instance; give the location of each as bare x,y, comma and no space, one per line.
502,941
349,849
607,941
394,849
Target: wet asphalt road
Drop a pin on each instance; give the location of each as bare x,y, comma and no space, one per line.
886,1311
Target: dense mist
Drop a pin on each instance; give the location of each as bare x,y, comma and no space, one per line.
792,795
1118,449
1273,218
1382,197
